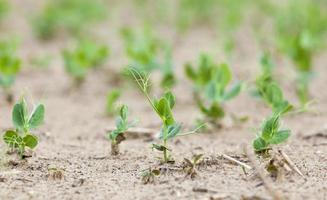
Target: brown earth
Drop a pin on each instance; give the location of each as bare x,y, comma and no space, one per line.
73,136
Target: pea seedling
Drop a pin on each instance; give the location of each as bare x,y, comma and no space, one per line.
85,56
9,67
112,98
270,134
300,33
163,108
73,16
21,137
148,175
147,54
190,165
211,91
122,125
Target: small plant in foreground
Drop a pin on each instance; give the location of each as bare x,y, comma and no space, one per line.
85,56
190,165
211,81
21,137
111,102
148,175
9,67
163,107
270,133
122,125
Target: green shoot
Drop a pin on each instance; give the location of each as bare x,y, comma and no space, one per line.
122,125
85,56
9,67
271,133
24,122
210,83
148,54
111,103
163,108
269,90
300,33
73,16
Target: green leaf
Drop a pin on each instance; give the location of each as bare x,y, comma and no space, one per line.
223,75
30,141
19,115
233,92
11,138
280,136
274,93
159,147
37,117
260,144
171,99
190,73
172,131
270,127
123,112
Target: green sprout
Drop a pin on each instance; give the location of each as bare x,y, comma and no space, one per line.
210,83
111,103
122,125
148,54
271,133
269,90
163,108
300,34
24,122
9,67
73,16
85,56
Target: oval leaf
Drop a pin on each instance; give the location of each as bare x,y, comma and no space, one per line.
37,117
30,141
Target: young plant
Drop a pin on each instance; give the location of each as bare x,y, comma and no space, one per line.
211,82
73,16
148,175
270,133
148,54
300,34
9,67
122,125
190,165
269,90
24,122
111,104
85,56
163,108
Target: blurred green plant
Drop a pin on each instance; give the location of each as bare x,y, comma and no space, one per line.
4,8
21,137
301,28
9,66
73,16
111,103
210,83
268,89
85,56
147,54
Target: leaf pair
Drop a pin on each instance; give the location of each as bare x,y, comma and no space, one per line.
270,134
15,141
164,107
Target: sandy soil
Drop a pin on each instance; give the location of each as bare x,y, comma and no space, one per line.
73,136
